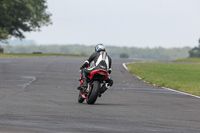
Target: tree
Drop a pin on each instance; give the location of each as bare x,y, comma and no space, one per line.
18,16
124,55
195,52
1,49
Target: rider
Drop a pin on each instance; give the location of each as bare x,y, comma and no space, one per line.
101,60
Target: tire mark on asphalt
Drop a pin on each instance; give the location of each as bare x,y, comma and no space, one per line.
32,79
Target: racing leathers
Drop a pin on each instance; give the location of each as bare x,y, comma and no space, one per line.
98,60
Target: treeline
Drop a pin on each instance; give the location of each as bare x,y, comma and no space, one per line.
158,53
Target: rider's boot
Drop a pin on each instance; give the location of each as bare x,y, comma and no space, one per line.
84,85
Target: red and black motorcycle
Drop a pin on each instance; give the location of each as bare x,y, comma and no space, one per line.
96,86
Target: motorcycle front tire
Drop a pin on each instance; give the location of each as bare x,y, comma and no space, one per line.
94,93
80,99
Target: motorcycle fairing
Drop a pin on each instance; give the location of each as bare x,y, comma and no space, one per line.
100,72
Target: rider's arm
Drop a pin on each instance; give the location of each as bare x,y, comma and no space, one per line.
88,61
91,58
109,80
85,64
110,63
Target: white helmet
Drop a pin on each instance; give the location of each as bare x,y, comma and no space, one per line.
100,47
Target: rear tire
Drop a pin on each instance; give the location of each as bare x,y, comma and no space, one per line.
94,93
80,99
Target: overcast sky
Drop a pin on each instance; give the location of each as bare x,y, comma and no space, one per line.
138,23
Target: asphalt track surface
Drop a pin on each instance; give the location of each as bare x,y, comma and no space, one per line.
38,95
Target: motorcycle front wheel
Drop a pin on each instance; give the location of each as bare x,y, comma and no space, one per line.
92,97
80,99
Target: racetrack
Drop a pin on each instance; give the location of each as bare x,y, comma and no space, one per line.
40,95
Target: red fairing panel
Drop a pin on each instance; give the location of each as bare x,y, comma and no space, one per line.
99,71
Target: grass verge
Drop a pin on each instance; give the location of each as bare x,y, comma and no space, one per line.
182,77
188,60
38,55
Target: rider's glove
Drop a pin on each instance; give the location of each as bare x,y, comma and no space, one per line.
109,70
85,64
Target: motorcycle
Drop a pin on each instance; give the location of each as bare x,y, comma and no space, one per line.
96,86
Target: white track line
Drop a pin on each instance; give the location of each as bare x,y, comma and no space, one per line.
124,65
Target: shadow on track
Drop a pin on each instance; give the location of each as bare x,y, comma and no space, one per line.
106,104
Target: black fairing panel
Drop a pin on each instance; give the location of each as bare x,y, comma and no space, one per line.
99,77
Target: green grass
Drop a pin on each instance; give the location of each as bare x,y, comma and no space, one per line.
38,55
182,77
188,60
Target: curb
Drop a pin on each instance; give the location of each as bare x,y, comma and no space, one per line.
124,65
